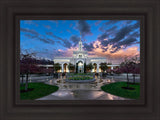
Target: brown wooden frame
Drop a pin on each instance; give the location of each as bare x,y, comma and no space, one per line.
147,107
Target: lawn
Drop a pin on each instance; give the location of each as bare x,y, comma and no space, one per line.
36,90
116,89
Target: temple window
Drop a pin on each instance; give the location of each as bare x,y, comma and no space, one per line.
80,56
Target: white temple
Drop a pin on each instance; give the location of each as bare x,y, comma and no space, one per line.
79,58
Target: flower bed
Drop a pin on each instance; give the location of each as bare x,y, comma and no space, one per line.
73,74
80,81
80,77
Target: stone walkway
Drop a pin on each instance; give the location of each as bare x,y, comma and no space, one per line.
81,91
81,95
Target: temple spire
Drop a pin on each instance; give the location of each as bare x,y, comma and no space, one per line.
80,37
80,43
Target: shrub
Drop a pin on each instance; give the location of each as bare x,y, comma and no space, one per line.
96,74
63,74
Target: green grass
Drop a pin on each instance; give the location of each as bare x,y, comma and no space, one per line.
116,89
38,90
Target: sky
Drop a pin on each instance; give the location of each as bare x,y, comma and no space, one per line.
113,39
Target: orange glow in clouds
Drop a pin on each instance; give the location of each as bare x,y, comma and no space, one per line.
115,57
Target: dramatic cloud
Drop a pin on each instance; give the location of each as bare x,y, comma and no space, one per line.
120,37
112,22
113,39
135,34
124,32
103,36
112,30
107,33
97,23
64,42
31,22
75,39
54,36
105,25
115,57
123,44
32,34
29,31
127,22
45,40
95,49
88,47
84,28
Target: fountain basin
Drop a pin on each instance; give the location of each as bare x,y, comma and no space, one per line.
80,81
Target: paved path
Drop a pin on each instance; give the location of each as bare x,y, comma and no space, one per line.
80,91
81,95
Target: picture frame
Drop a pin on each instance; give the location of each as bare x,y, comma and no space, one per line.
19,18
145,108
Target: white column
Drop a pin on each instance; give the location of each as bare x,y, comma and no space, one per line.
97,68
92,70
67,68
62,68
111,67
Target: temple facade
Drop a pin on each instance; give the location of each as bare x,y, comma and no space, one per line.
79,58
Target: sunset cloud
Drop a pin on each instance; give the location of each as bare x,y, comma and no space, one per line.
113,39
115,57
